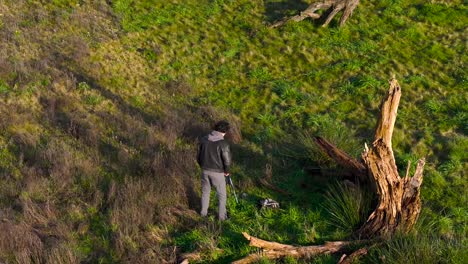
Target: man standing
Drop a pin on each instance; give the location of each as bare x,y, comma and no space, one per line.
214,157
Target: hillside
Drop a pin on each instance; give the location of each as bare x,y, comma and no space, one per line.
101,104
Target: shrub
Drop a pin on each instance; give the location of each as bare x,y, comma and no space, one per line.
260,74
4,88
92,99
8,161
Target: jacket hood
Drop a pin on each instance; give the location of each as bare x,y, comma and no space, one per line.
215,136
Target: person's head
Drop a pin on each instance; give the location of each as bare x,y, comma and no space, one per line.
222,126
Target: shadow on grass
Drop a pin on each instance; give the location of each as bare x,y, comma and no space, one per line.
119,101
276,10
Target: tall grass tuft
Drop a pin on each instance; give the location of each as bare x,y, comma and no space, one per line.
348,206
420,248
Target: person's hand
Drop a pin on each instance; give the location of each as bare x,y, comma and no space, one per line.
227,174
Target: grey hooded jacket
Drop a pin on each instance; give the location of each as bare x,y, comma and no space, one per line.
214,153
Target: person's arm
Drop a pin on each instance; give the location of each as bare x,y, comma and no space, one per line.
227,158
199,154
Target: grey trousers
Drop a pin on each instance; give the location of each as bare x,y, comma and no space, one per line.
217,179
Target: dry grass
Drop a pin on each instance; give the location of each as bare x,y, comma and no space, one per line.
139,208
38,238
20,244
70,136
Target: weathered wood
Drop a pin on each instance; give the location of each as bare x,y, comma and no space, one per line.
411,203
388,113
332,7
187,257
342,158
382,168
399,204
348,259
273,250
398,198
348,11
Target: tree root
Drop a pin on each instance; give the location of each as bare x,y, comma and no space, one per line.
333,7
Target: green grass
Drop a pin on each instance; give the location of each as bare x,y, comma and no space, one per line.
223,242
4,88
420,248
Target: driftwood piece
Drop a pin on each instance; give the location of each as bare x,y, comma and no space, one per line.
273,250
332,8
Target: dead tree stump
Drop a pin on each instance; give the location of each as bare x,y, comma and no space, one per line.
331,7
398,205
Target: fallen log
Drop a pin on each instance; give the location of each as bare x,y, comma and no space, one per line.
356,168
187,257
348,259
274,250
331,7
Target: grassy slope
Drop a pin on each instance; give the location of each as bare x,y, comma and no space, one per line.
98,100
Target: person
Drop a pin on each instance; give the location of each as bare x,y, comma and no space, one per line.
214,158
